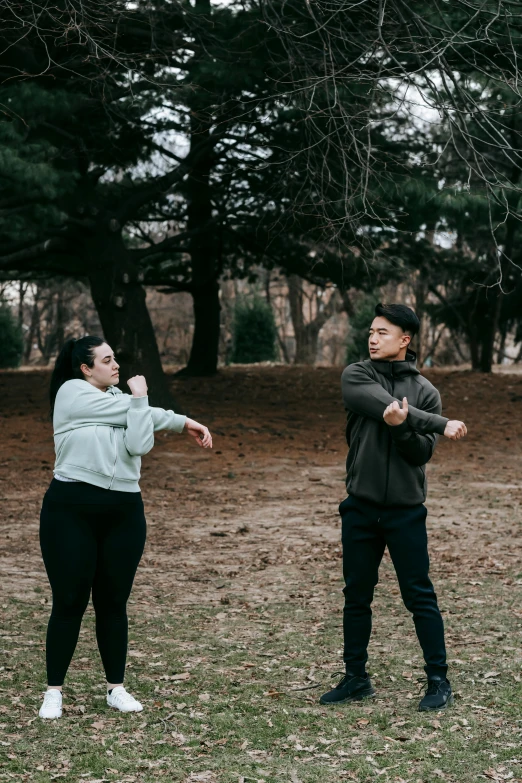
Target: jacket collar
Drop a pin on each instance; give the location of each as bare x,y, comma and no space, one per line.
397,369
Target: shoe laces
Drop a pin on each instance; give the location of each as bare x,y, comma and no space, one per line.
345,678
433,686
52,697
124,697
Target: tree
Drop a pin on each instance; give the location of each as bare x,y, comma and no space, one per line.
130,206
11,340
363,313
428,56
321,306
138,210
82,120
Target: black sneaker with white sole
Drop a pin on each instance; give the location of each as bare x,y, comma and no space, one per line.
351,688
438,695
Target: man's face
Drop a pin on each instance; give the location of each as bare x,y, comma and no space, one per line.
386,340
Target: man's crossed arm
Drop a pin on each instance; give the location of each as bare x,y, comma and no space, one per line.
364,396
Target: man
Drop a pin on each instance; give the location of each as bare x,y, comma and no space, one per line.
386,483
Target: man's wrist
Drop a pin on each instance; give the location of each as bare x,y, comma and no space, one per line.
396,423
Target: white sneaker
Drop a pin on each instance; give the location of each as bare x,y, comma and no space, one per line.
123,701
52,704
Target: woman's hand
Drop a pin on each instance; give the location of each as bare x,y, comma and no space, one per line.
138,386
200,433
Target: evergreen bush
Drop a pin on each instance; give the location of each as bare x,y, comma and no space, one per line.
11,339
254,332
359,326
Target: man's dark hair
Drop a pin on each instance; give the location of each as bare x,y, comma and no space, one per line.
400,315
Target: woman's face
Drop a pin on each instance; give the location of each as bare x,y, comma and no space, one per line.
104,371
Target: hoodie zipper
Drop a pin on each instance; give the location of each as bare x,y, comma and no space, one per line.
389,450
113,436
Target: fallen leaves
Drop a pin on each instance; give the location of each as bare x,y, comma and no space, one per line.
223,640
176,677
201,777
499,774
273,694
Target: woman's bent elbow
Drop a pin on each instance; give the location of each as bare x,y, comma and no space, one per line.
140,451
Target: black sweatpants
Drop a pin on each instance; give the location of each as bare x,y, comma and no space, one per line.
366,530
91,539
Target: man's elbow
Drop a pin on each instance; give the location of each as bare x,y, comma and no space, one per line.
423,459
417,459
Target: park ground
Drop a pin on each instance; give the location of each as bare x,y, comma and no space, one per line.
235,617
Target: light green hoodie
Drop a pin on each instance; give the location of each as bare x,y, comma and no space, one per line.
99,437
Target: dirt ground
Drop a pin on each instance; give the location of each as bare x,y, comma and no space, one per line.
264,501
254,522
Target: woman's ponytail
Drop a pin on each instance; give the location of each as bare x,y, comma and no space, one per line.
74,353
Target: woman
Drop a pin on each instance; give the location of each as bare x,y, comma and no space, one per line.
92,525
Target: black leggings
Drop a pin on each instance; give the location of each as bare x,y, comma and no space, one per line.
91,538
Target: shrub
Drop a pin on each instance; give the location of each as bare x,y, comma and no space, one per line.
254,332
359,325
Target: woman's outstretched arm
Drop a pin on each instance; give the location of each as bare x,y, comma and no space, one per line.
138,387
142,421
80,404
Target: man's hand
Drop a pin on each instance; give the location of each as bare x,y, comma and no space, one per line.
138,386
394,414
455,430
199,432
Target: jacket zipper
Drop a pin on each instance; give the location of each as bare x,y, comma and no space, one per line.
389,452
358,443
113,435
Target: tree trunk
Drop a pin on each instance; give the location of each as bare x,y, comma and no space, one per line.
32,328
205,343
502,346
306,348
306,334
204,245
119,299
59,333
22,288
420,288
295,298
280,339
474,345
489,330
